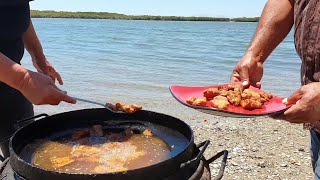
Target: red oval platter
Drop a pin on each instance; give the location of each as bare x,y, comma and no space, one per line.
182,93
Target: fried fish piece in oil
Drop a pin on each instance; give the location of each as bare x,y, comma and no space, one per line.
84,151
147,132
61,162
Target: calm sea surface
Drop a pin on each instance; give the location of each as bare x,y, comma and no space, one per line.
136,61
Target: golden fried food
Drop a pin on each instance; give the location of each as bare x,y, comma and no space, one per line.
136,155
119,106
224,93
100,169
127,108
251,99
91,159
221,88
197,101
235,87
61,162
200,101
147,132
211,93
248,94
109,169
191,100
84,151
133,150
234,94
234,97
265,96
220,102
251,103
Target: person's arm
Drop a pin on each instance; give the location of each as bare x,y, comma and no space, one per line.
40,62
275,23
11,73
36,87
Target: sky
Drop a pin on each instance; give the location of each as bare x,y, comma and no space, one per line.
210,8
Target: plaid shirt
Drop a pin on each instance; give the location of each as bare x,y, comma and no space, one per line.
307,43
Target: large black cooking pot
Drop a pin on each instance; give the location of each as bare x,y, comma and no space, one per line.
186,154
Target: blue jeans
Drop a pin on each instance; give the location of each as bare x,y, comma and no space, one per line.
315,153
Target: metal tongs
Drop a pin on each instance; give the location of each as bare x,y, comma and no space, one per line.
107,105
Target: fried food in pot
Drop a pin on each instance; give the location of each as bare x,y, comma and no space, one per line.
106,169
147,132
84,151
61,162
116,151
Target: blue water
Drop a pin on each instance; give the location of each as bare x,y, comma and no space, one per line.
136,61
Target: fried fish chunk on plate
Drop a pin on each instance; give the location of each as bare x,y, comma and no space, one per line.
273,106
211,93
220,102
197,101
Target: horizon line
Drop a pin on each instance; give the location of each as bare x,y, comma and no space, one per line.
143,14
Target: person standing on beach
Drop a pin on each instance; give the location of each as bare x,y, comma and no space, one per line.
277,19
20,87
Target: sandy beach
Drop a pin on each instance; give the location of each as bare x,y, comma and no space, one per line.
258,148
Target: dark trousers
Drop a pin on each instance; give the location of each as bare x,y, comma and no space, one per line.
13,107
315,152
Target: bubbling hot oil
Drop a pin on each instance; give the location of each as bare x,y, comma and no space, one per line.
104,154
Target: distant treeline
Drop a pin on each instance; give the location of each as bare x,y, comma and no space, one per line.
106,15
